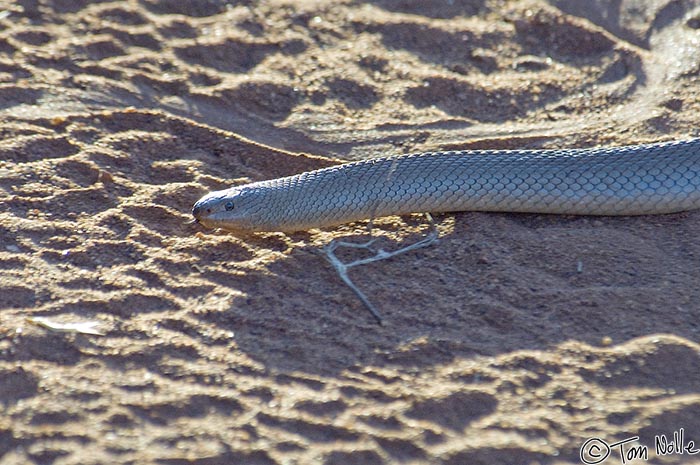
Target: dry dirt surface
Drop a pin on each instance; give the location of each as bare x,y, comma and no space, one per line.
511,341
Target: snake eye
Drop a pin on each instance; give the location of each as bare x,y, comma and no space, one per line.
228,206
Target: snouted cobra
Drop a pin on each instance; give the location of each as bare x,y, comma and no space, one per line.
633,180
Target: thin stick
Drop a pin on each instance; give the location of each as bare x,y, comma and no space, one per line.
342,268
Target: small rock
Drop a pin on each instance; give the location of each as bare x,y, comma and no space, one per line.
105,177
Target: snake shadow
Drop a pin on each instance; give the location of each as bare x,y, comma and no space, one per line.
496,283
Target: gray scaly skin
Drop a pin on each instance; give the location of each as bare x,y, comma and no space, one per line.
633,180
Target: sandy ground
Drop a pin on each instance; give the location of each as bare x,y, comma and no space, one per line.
512,341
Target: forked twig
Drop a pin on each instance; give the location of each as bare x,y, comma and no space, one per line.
342,268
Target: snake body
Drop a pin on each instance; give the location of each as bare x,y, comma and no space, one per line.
633,180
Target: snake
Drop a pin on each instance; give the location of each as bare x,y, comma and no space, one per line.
641,179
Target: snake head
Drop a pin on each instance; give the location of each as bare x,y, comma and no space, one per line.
226,209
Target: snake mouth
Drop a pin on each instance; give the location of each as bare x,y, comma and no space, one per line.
204,213
202,216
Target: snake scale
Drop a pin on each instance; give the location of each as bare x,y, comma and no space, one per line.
632,180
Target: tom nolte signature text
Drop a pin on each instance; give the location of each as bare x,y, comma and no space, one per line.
595,450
